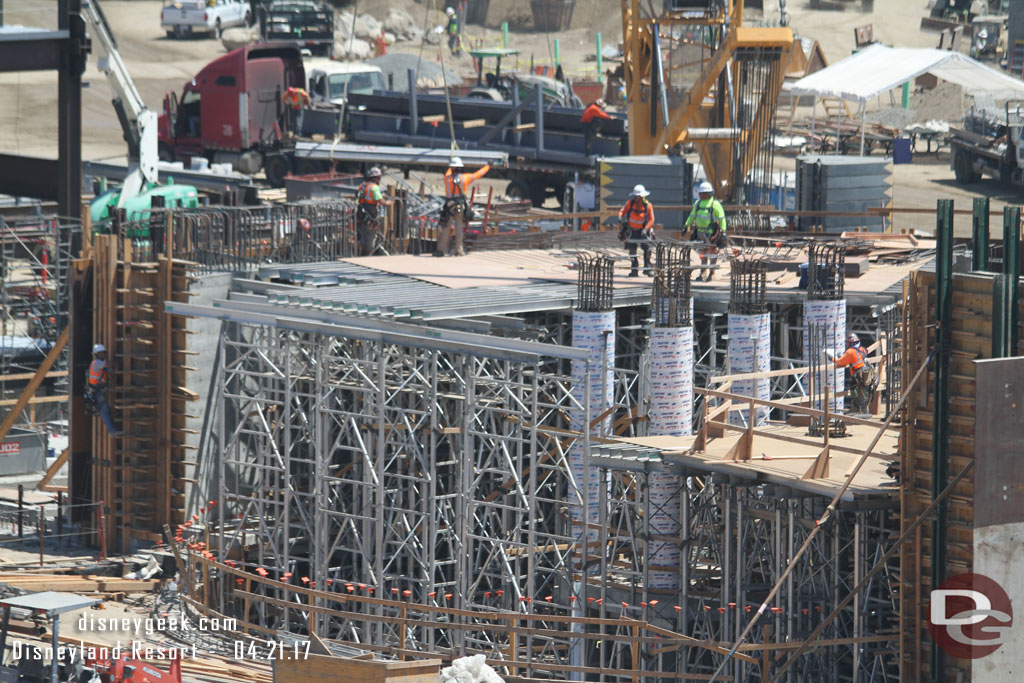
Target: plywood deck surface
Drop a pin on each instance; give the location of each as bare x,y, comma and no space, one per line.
772,459
514,267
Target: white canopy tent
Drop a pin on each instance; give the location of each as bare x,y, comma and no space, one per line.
878,68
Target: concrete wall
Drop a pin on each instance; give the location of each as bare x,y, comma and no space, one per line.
204,341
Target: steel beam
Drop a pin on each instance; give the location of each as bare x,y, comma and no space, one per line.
940,434
1011,268
979,241
32,50
29,177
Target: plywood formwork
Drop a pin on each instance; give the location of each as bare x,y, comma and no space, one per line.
140,475
973,306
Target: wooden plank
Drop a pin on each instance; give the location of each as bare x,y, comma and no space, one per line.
52,470
34,401
36,380
327,669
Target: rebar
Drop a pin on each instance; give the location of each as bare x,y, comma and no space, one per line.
595,283
825,271
671,301
668,255
747,287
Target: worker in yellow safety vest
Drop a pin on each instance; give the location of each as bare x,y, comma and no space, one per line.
96,388
452,29
456,212
708,218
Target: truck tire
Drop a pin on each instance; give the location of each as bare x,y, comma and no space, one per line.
520,189
165,153
963,169
276,168
309,167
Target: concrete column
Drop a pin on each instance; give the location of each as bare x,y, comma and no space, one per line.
594,331
671,414
750,348
831,315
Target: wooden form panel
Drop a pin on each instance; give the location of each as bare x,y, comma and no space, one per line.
971,340
140,475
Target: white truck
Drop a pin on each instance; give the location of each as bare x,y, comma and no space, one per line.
330,81
183,17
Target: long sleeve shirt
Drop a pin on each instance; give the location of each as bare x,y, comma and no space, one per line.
593,112
456,184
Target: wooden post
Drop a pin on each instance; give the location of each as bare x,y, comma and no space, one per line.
766,658
513,646
487,211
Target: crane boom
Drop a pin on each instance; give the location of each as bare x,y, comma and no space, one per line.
138,122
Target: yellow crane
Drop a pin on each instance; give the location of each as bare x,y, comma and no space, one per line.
696,75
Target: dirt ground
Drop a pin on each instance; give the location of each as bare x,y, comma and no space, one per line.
28,122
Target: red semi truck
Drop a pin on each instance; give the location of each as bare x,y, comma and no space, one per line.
233,112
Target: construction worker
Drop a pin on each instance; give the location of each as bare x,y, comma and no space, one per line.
862,375
96,388
370,213
592,118
454,43
456,212
297,99
708,218
637,218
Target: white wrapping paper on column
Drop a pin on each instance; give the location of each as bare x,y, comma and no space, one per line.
671,414
592,331
831,315
750,348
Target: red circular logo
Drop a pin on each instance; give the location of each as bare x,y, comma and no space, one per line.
969,616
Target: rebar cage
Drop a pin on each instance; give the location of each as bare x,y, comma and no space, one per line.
595,282
826,271
748,280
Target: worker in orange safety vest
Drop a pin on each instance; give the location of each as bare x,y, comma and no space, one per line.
592,118
456,212
370,213
297,100
96,388
637,228
862,375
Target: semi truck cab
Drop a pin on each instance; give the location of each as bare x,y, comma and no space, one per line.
233,110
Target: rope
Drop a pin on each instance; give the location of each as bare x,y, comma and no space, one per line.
341,118
447,98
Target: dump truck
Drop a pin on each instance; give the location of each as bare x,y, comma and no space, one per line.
989,143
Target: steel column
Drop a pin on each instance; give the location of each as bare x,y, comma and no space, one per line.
979,240
1011,267
940,434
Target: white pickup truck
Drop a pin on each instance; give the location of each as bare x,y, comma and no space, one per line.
329,81
182,17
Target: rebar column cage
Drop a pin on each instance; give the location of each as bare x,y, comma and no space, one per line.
826,271
596,278
748,279
670,298
668,256
820,337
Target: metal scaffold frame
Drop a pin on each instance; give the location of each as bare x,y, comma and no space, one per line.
435,474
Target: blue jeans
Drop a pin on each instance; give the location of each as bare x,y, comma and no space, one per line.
103,409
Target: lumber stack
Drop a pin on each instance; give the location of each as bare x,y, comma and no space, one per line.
69,583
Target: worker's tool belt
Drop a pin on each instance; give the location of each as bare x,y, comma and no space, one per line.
454,203
865,377
633,235
369,213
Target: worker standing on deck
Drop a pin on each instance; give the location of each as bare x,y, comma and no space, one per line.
592,119
862,375
370,213
456,212
454,43
297,99
96,388
637,218
708,217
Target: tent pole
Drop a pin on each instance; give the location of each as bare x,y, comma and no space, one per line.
863,118
814,108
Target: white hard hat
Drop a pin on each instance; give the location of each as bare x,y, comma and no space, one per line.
99,348
449,11
456,162
639,191
705,187
599,102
